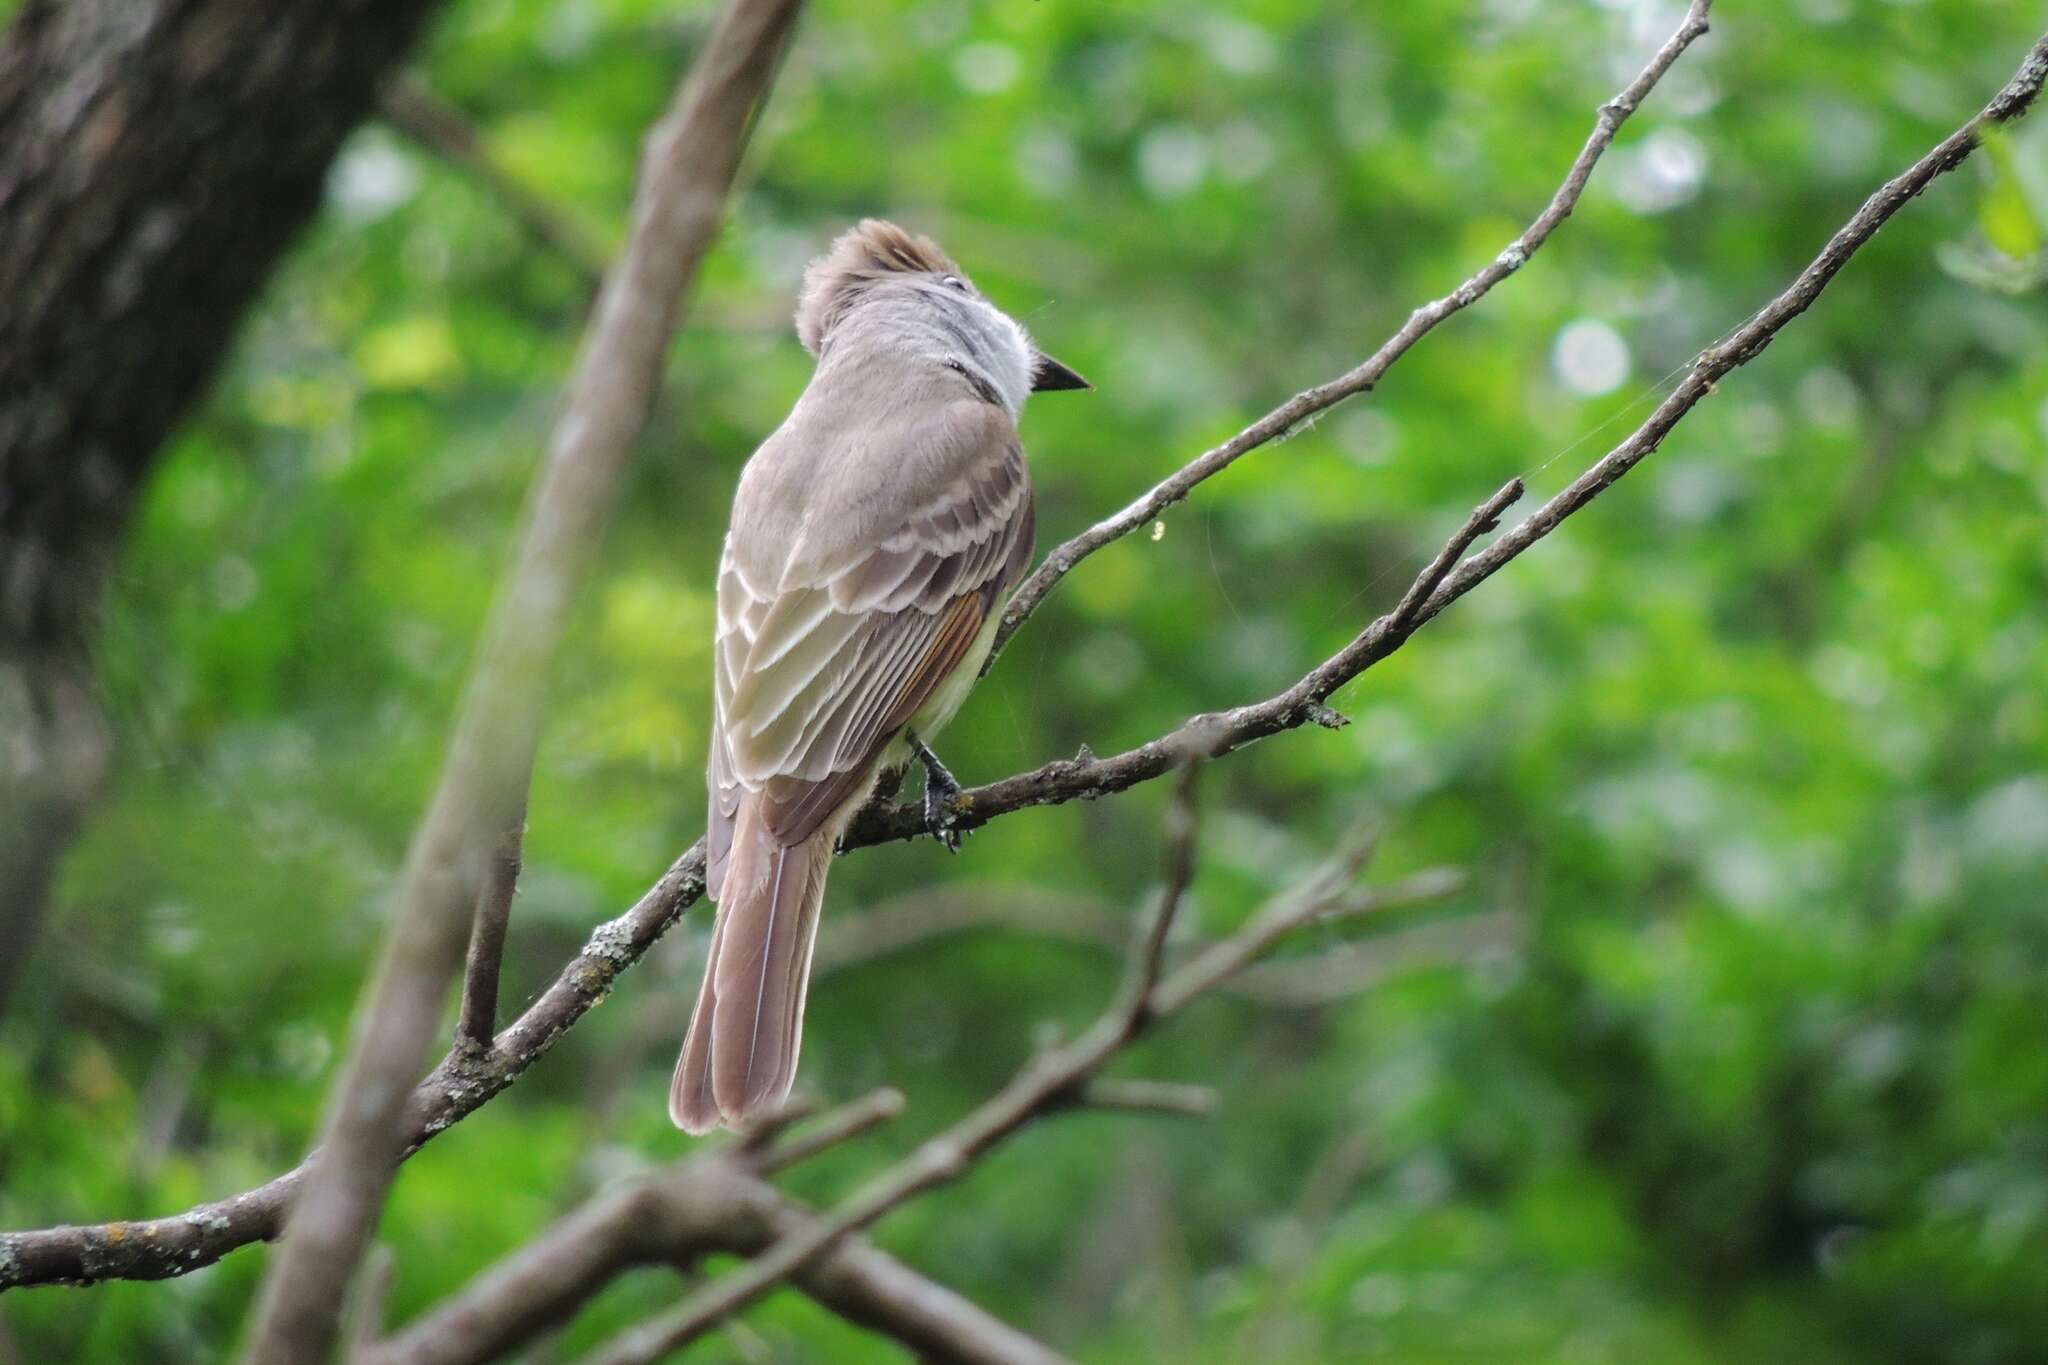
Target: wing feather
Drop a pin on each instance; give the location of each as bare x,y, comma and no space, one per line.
795,807
814,678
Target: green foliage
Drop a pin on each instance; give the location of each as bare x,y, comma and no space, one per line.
1755,750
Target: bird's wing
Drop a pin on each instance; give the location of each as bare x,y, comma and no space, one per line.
817,672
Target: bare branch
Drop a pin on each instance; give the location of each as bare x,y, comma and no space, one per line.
937,911
844,1123
1308,981
159,1248
1053,1080
1420,888
1304,702
755,1137
1484,518
1748,341
445,130
1306,404
543,1282
715,1201
1296,983
478,1021
1326,891
688,165
871,1289
1149,1097
365,1320
1183,824
460,1084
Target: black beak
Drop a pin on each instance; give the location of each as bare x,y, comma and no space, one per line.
1048,374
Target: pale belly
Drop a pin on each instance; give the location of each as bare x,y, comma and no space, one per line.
947,698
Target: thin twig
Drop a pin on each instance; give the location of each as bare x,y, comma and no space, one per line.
764,1128
939,912
1313,980
439,126
1183,825
1050,1081
1484,518
1149,1097
687,167
1748,341
477,1023
844,1123
1306,404
459,1085
1328,889
1419,888
715,1201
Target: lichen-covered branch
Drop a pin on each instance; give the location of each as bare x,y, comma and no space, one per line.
466,1080
685,172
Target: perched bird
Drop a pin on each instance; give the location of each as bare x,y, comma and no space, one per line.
874,540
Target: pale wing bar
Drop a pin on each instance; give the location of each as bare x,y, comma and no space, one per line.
821,676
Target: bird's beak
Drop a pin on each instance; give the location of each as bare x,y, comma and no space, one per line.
1048,374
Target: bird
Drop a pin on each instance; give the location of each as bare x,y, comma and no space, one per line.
875,537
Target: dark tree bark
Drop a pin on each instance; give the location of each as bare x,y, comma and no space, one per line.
156,158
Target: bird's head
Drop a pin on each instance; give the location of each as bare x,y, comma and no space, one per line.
878,284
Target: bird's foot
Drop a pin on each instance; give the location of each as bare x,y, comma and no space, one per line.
941,793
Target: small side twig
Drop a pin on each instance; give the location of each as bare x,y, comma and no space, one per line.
764,1128
1306,404
1053,1080
1149,1097
1485,517
1182,826
461,1084
477,1023
1749,340
445,130
689,161
717,1200
841,1125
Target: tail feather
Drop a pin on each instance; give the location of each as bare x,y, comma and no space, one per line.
741,1052
691,1105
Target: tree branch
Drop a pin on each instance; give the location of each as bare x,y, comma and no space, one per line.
477,1022
1053,1080
1148,1097
157,159
715,1201
445,130
460,1084
1748,341
1306,404
686,169
844,1123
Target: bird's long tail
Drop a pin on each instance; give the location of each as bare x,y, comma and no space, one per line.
740,1054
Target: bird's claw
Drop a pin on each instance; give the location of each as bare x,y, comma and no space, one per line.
941,793
940,817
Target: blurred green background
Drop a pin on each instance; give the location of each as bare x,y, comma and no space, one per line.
1734,1049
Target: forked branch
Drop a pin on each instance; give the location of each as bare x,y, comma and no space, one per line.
687,168
463,1082
1361,378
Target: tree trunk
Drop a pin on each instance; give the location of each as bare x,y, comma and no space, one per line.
156,157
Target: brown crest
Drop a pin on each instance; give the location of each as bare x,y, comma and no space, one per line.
869,251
